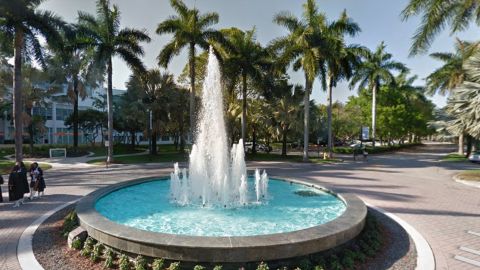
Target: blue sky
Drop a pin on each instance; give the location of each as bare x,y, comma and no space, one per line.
379,19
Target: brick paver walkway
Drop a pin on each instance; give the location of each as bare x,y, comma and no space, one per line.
412,185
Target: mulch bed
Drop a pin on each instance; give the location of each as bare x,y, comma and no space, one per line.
51,250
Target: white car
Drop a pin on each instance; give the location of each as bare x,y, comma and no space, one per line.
474,157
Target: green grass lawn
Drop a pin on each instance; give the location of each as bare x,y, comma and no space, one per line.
120,149
7,165
454,157
161,157
470,175
179,157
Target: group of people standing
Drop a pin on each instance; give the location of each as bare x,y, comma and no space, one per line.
18,184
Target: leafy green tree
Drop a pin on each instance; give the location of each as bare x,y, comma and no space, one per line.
451,75
22,23
302,47
247,58
286,110
189,29
342,60
156,87
91,123
375,70
131,114
436,15
72,65
104,35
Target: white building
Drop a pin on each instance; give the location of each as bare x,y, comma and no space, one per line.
55,114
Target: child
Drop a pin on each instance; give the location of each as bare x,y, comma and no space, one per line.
33,180
39,181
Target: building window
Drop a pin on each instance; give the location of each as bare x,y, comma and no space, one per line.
62,114
165,138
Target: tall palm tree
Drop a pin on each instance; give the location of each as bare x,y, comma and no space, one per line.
375,70
341,61
103,33
189,29
247,57
22,23
72,65
303,47
451,75
436,15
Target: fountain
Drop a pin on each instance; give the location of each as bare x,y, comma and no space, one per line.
214,178
215,211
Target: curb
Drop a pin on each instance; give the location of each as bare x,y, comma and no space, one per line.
27,260
25,255
466,182
425,257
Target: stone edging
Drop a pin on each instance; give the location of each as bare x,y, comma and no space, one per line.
221,249
466,182
425,257
25,255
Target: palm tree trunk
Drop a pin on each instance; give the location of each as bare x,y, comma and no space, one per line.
30,129
329,113
460,144
284,143
374,112
192,90
254,141
110,111
306,104
17,94
75,115
244,107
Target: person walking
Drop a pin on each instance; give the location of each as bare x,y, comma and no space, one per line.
23,177
15,186
38,182
1,183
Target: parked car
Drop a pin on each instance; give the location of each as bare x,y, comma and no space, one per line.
474,157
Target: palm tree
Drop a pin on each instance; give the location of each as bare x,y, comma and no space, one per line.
286,110
341,61
248,58
104,35
189,28
22,23
436,15
303,47
72,65
156,86
374,71
451,75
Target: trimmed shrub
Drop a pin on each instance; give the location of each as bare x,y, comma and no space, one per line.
124,263
263,266
140,263
158,264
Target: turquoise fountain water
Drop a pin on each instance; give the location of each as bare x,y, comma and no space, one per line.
288,207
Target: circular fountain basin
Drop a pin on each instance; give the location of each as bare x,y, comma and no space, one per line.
295,219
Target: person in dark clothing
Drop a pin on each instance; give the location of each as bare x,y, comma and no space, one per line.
15,186
1,183
23,177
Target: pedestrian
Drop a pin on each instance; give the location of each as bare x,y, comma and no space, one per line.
15,186
23,177
1,183
33,179
37,176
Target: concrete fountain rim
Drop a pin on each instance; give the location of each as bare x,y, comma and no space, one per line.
222,249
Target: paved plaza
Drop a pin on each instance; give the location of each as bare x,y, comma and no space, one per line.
413,184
